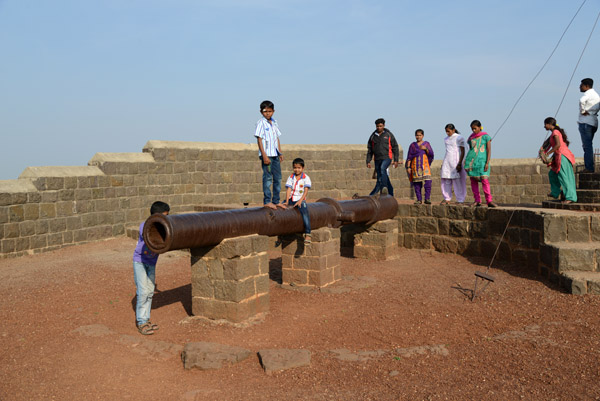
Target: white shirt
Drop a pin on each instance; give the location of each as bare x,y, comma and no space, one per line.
453,144
269,134
298,185
590,102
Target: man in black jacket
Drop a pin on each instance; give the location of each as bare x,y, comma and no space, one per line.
383,147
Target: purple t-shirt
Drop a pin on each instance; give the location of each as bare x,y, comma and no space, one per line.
142,253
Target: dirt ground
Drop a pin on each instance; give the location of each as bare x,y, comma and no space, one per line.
67,332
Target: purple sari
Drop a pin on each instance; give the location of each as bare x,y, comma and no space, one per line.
419,161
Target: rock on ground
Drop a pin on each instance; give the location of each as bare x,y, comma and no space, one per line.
275,360
204,356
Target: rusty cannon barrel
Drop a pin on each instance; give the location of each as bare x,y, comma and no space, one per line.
168,233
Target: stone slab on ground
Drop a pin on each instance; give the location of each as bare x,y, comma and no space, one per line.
346,355
277,360
204,355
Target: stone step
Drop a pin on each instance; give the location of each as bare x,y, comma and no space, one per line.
571,256
584,207
580,283
589,185
588,195
586,177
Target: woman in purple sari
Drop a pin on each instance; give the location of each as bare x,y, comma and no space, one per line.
418,161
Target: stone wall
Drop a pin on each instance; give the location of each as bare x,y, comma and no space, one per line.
50,207
561,245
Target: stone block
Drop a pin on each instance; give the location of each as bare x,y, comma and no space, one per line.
41,227
409,225
229,248
458,228
578,228
240,268
439,211
26,228
31,211
384,226
454,212
373,252
231,311
595,228
235,291
427,225
294,276
16,213
276,360
555,228
8,246
64,209
202,286
3,214
376,239
205,356
261,284
39,241
576,259
23,244
55,239
57,225
444,226
321,278
444,244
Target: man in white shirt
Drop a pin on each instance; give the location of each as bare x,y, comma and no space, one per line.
589,104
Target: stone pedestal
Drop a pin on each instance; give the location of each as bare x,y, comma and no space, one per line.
379,241
316,264
231,280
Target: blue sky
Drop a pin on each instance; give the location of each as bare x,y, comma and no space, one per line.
86,76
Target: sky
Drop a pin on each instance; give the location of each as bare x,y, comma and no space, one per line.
84,76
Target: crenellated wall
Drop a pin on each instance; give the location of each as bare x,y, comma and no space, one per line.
50,207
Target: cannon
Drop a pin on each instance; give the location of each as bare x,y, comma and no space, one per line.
190,230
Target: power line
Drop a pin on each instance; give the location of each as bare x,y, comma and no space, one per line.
577,65
541,69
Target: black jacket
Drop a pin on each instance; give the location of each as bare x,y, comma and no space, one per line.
382,146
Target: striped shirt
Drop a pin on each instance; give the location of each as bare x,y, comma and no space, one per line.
269,134
298,185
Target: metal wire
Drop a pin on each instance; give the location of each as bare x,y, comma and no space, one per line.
541,69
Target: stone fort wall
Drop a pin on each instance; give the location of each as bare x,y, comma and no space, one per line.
50,207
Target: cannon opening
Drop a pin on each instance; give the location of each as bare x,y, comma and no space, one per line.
157,235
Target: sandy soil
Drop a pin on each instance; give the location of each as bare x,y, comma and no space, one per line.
408,333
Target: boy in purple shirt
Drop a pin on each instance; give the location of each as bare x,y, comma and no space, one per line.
144,265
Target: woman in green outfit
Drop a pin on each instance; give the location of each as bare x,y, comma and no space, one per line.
477,163
561,165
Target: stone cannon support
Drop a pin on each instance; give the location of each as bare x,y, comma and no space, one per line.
316,264
231,280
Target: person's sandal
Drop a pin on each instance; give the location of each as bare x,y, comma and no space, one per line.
476,204
427,202
154,326
307,239
492,204
146,329
444,202
417,202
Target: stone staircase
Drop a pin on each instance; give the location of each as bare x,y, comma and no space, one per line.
588,195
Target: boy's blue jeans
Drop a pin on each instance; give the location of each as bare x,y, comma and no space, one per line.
271,175
143,275
303,208
587,136
383,180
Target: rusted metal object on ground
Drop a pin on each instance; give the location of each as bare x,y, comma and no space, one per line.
168,233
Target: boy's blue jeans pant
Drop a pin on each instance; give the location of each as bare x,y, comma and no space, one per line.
271,176
587,136
383,180
303,208
143,275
